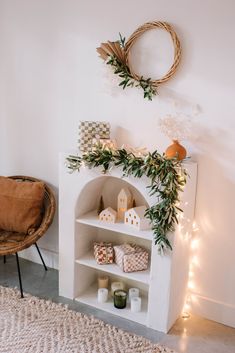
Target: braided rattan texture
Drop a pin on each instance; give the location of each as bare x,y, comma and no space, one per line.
177,49
12,242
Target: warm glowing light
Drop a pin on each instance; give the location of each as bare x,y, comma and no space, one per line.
194,244
181,227
195,260
191,285
190,298
185,315
195,227
191,274
186,203
181,216
187,236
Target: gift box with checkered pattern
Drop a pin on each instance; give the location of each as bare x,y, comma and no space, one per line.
131,257
103,253
88,130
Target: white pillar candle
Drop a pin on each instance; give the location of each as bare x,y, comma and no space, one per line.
116,286
135,304
102,295
133,292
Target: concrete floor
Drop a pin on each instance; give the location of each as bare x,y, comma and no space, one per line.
194,335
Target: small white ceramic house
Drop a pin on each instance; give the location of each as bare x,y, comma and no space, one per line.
135,217
124,202
108,215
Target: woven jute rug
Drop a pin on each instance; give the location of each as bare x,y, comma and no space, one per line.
39,326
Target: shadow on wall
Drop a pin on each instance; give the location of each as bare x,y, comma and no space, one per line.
216,145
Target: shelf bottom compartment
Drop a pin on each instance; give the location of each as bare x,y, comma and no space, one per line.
89,297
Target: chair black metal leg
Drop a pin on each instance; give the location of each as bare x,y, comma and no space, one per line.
41,256
18,268
4,259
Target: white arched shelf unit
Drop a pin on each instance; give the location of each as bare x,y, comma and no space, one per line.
162,285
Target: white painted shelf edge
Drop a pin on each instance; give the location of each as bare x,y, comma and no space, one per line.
139,276
90,298
92,219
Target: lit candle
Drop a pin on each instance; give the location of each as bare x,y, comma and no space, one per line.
103,282
102,295
116,286
136,304
120,297
133,292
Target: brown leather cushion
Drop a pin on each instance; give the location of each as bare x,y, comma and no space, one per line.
21,205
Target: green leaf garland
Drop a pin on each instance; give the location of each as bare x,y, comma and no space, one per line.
127,80
167,179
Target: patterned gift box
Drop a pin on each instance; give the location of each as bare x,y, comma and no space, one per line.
103,253
131,257
88,130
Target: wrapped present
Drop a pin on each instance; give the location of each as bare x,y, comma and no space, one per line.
88,130
131,257
103,253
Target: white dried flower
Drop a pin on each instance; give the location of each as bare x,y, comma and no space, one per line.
176,127
111,80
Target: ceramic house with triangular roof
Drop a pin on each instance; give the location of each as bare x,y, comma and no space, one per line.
124,202
135,218
108,215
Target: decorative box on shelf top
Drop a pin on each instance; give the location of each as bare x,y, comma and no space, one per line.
131,257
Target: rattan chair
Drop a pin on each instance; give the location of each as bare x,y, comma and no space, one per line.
12,242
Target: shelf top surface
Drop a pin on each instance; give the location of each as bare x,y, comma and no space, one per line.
140,276
91,218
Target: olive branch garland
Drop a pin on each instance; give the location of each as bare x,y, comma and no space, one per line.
127,80
115,55
167,179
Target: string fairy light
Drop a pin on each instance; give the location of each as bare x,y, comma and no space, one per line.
194,262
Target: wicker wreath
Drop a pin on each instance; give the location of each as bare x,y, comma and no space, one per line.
117,54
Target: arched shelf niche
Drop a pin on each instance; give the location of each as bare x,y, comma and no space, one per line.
108,187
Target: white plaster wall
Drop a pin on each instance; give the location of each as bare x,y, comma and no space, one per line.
50,77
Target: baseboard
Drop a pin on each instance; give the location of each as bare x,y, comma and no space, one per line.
51,258
214,310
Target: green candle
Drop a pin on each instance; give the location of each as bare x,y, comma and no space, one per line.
120,298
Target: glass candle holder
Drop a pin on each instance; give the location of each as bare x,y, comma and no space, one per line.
103,282
120,297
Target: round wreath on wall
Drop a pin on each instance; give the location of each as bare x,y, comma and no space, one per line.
117,55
